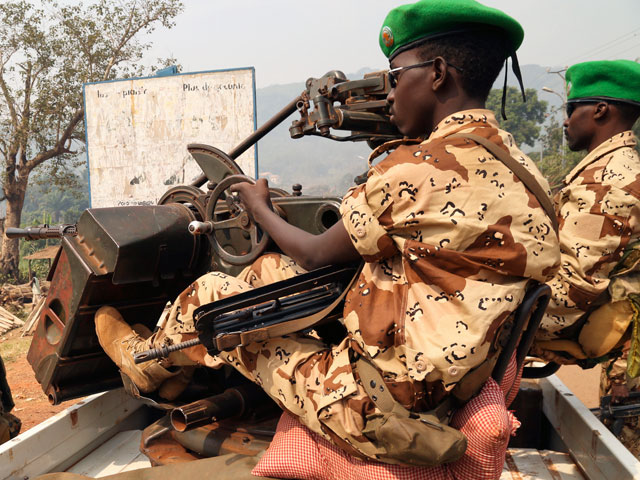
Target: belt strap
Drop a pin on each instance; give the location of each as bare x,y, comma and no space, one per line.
519,170
374,385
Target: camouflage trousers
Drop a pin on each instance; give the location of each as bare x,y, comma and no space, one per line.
302,374
615,373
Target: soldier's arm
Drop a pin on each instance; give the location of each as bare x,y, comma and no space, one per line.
309,251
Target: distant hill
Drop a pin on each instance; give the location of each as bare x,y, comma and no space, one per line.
327,167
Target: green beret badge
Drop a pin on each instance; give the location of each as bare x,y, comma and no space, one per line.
387,36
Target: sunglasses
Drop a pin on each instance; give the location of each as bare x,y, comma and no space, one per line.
394,73
571,106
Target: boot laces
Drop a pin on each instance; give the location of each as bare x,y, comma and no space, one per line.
134,343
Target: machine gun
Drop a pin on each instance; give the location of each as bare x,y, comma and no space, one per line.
138,258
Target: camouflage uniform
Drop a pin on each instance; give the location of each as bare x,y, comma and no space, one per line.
448,258
598,216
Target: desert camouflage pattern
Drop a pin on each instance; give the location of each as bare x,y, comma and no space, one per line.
448,258
301,373
599,217
177,325
451,237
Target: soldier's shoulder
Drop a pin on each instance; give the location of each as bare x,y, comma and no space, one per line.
621,169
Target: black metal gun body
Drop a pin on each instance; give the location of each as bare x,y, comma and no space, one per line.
362,108
614,414
247,317
42,231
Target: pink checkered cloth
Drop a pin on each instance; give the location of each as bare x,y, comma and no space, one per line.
298,453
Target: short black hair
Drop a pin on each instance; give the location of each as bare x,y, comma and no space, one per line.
480,55
629,113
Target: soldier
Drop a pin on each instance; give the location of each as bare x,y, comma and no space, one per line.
591,310
9,424
447,256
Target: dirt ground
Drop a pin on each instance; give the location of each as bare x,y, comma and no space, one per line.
32,405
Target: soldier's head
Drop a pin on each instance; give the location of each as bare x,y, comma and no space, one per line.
603,99
444,56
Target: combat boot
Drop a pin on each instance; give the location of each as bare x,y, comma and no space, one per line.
174,386
120,342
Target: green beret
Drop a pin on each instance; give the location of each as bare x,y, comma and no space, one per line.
408,25
615,79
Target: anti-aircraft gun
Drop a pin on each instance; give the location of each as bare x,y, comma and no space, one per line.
138,258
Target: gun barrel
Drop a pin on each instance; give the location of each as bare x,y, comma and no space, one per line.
163,351
37,233
228,404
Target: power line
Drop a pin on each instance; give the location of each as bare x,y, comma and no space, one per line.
605,46
627,49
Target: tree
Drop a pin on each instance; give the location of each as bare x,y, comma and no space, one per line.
46,54
523,118
557,159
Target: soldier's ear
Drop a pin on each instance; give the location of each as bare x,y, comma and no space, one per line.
440,73
600,111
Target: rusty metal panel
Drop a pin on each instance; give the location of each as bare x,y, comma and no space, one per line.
134,258
137,131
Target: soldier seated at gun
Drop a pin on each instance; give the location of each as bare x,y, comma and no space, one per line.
447,256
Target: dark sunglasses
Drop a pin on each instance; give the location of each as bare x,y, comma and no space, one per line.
571,106
394,73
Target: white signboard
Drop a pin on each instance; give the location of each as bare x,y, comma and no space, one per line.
138,130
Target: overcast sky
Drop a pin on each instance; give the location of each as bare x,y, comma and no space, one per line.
290,40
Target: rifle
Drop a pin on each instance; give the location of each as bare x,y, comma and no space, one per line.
285,307
615,414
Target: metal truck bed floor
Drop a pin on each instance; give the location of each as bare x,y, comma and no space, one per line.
529,463
120,454
100,436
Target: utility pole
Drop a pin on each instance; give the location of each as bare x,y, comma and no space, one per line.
563,106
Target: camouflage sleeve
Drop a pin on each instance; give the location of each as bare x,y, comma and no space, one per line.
361,219
597,223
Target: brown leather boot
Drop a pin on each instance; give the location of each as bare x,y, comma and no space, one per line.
174,386
120,341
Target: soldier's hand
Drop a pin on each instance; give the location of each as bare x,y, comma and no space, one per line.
255,198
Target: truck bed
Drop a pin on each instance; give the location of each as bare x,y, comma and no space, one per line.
100,436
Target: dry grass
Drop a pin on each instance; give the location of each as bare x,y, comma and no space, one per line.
13,346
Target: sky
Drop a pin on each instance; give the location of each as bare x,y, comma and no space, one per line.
289,41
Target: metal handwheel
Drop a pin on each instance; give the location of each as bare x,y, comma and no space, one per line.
238,218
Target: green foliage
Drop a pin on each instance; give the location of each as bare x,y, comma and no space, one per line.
556,160
47,53
523,118
50,205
